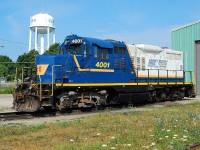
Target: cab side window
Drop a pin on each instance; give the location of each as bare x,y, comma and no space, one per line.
101,53
119,50
61,50
86,50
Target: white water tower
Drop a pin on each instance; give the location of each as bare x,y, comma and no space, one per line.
42,27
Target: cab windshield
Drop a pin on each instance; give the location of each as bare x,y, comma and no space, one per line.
74,49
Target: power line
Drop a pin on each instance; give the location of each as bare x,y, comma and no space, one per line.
13,42
17,62
17,42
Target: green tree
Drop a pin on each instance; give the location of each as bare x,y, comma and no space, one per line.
27,60
3,71
53,49
7,67
28,57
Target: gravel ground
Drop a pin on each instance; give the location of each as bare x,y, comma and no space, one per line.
6,101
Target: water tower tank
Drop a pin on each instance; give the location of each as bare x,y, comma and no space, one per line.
42,25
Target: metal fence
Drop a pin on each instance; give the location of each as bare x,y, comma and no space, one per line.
8,84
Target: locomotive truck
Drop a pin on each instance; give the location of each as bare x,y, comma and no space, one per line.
90,72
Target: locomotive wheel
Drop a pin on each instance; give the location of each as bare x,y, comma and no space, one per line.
30,104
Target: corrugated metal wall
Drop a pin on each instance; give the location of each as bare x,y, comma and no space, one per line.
183,39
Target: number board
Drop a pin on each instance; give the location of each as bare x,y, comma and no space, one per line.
77,41
102,65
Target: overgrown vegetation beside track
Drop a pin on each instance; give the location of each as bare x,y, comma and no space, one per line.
6,90
170,127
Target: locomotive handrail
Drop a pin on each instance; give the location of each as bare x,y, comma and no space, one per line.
52,88
40,87
23,72
192,79
174,74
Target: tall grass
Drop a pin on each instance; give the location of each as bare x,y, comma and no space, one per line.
165,128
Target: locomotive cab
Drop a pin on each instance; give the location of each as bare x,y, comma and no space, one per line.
94,60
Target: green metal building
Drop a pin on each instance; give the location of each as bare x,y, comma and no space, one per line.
187,39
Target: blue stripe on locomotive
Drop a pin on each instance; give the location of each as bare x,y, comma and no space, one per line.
83,68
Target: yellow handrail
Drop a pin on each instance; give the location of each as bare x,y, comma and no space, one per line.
52,88
40,88
23,72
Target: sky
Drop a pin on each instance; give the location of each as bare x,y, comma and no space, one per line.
131,21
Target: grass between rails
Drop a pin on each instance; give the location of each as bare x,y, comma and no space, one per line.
161,129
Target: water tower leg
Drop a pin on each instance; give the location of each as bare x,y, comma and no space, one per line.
48,38
42,44
30,36
54,36
36,36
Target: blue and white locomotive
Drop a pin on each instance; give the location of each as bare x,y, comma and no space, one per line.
90,72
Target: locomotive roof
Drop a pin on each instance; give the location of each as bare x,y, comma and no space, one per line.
99,42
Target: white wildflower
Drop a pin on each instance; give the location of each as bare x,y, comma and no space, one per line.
98,134
153,144
112,137
168,130
129,145
112,148
71,140
175,135
166,136
104,145
184,136
160,138
151,135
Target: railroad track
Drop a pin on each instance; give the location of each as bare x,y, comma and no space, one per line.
19,115
8,116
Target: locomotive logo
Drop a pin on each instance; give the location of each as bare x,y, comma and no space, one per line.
41,69
157,63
